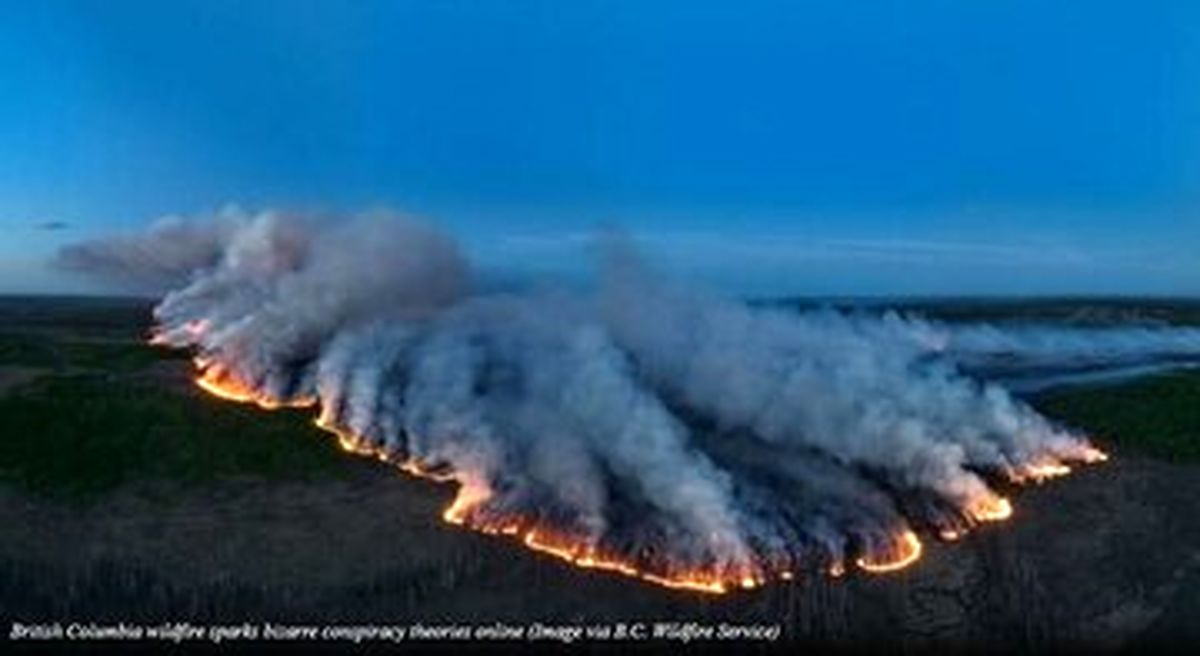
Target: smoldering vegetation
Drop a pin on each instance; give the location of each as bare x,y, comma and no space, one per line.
675,429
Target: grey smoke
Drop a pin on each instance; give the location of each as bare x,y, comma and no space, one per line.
650,420
163,256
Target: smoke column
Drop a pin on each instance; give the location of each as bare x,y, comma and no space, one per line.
642,427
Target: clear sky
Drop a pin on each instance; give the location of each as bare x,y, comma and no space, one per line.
866,147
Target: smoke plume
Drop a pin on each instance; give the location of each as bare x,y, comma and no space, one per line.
644,426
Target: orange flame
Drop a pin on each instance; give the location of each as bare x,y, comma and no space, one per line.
586,556
909,552
215,381
1037,472
990,509
470,495
1092,455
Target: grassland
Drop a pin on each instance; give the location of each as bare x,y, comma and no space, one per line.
1158,417
75,437
96,409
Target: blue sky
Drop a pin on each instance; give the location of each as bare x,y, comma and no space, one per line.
863,147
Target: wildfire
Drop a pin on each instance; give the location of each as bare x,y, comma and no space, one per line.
470,495
582,553
1092,455
1038,472
194,330
990,509
907,549
1052,468
219,383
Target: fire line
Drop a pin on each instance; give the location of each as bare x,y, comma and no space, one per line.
908,547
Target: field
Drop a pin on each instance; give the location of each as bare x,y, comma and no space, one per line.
130,495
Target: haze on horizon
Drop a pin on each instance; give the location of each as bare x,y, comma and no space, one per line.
869,148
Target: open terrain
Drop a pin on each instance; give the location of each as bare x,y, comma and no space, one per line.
127,494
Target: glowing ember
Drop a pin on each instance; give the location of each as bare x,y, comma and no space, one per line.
909,550
991,509
1038,472
225,386
1052,470
469,496
1094,455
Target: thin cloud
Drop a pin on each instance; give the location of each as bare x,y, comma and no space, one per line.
798,249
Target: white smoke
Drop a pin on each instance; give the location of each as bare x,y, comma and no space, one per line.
162,257
676,429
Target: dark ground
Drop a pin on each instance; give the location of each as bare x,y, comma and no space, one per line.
126,494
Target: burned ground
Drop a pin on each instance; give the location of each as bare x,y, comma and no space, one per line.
127,495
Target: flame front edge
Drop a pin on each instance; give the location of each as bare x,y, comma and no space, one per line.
907,546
